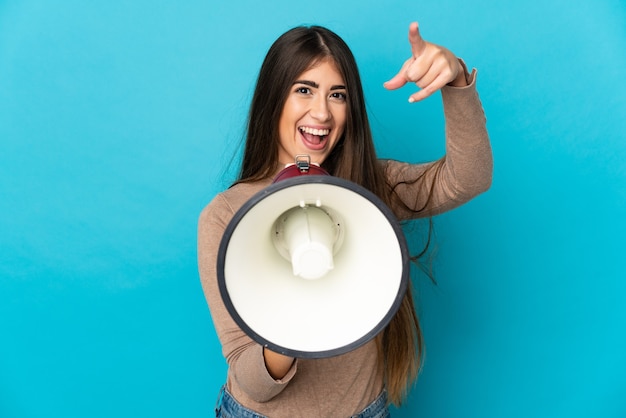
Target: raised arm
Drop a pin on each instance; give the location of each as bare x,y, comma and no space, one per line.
466,169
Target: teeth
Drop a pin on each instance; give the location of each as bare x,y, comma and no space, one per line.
317,132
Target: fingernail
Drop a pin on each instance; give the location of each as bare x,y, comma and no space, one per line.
411,100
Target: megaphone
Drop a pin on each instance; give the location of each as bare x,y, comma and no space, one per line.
312,266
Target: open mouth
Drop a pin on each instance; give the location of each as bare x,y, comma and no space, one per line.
314,138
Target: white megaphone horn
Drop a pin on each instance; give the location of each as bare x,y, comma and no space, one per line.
312,266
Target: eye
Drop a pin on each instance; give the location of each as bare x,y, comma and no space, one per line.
303,90
341,96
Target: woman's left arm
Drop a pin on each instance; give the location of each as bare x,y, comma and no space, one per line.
466,169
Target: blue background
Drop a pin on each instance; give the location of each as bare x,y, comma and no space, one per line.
120,120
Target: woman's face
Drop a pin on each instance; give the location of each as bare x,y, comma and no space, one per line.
314,115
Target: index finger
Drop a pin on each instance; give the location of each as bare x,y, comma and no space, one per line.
417,42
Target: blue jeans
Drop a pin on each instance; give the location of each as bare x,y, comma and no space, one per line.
228,407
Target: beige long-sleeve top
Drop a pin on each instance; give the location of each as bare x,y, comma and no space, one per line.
343,385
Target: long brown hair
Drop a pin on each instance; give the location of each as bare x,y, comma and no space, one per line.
353,158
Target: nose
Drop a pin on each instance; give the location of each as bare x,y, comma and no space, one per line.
320,110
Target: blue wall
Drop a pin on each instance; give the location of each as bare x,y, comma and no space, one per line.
118,121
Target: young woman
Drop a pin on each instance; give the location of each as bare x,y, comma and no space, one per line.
309,100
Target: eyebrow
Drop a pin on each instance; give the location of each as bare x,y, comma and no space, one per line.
315,85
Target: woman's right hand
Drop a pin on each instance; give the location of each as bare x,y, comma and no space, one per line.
277,364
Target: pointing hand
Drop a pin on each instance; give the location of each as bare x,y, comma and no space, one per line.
430,67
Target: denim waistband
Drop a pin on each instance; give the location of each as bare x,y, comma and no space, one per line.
377,409
228,407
